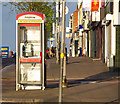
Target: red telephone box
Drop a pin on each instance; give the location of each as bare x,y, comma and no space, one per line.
30,51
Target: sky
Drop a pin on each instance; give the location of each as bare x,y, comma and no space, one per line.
8,26
72,8
0,25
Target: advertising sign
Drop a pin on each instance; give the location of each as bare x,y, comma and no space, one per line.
68,35
66,10
5,52
94,5
86,5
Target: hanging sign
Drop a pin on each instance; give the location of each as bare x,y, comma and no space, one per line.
94,5
86,5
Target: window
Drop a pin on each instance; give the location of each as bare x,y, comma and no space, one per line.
119,6
30,34
111,7
30,41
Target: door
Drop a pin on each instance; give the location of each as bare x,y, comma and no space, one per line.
29,57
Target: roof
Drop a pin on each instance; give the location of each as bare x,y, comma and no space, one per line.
30,13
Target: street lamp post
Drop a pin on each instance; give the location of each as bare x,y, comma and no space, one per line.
58,36
62,51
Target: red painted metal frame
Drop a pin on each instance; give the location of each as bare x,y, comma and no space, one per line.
29,24
30,60
30,13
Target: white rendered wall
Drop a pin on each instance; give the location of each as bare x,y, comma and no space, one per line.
89,44
86,44
106,43
116,12
113,39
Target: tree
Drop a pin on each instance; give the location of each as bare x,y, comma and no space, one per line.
46,8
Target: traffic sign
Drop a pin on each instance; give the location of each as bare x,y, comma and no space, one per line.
66,10
57,11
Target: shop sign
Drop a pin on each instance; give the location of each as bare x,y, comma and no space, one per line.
94,5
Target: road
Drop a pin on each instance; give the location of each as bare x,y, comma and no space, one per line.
88,81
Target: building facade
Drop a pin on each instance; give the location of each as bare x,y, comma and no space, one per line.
99,32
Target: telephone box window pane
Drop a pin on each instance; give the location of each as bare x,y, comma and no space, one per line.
30,72
33,35
30,34
30,41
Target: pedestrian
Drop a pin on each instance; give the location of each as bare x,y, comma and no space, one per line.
66,55
80,52
47,53
52,50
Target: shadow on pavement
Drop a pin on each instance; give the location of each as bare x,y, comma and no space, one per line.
8,61
114,101
55,85
104,76
73,62
101,77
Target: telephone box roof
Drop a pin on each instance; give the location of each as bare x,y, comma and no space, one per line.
30,13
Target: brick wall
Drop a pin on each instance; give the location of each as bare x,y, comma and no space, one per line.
75,15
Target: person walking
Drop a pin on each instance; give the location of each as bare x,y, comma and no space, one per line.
52,50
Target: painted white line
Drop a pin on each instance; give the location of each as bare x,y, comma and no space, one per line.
5,68
88,82
67,79
21,100
109,82
93,82
96,59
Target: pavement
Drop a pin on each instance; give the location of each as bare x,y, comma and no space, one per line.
6,62
89,81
